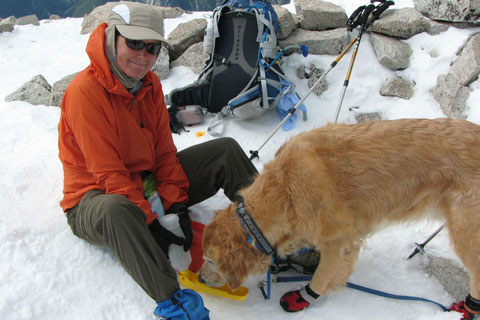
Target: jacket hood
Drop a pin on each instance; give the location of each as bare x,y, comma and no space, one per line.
99,64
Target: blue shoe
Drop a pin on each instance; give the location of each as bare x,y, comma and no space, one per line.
184,304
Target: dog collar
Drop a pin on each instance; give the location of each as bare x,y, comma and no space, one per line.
251,229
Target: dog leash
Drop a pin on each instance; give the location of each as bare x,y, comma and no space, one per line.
268,284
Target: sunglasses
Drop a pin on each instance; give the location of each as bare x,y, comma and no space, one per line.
152,48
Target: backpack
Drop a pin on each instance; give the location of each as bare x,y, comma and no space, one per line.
241,78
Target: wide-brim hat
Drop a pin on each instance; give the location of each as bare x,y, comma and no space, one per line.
137,21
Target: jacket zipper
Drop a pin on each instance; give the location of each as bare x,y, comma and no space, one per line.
139,113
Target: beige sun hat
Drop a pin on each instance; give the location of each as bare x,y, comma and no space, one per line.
137,21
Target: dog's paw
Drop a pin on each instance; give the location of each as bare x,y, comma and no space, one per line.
293,301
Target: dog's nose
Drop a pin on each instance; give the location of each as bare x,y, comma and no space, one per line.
200,279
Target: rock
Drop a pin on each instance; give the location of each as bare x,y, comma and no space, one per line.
433,27
31,19
58,89
390,52
313,75
397,87
448,10
36,92
286,20
162,66
330,42
467,67
193,58
7,24
451,95
365,117
402,23
317,15
185,35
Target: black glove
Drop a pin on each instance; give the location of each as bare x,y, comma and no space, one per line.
163,236
182,211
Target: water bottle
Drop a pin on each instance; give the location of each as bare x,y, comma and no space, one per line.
209,37
151,194
179,259
156,203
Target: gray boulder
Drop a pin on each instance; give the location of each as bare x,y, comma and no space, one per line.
390,52
30,19
286,20
185,35
451,95
467,67
330,42
317,15
36,91
161,67
313,74
448,10
193,58
397,87
435,27
402,23
366,117
58,89
8,24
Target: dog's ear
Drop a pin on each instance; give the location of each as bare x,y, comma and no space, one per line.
233,260
226,243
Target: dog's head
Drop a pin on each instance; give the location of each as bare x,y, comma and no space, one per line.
229,258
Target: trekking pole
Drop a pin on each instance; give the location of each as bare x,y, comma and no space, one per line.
419,247
254,154
362,18
355,19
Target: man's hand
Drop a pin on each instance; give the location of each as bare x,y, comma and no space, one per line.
164,237
182,211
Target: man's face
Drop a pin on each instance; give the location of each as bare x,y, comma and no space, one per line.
134,63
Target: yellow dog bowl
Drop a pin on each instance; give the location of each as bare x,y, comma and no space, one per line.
189,280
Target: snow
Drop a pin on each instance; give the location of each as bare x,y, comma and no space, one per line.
47,273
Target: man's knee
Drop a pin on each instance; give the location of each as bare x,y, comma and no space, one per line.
229,143
118,212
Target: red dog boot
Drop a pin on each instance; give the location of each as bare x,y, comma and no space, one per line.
469,308
294,301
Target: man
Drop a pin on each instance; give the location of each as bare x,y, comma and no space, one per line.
114,130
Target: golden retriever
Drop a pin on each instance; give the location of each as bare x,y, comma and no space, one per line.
332,187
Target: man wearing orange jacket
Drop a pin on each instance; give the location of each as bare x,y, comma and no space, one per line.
114,128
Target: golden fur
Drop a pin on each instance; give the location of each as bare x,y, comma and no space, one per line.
332,187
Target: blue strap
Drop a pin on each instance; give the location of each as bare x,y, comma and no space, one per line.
266,295
352,286
392,296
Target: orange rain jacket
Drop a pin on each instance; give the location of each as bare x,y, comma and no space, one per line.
108,137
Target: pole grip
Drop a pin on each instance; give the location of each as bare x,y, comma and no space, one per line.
365,14
354,19
378,11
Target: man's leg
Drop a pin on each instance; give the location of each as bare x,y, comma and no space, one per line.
216,164
112,221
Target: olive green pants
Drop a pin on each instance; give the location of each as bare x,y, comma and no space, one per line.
112,221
